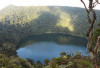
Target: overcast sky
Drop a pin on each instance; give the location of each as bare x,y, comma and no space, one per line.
73,3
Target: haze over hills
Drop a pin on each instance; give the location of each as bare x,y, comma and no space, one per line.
25,21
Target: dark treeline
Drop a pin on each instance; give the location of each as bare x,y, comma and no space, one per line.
59,38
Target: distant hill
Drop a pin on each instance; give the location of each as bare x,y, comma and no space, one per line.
21,21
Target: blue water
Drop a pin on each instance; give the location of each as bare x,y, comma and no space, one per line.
47,49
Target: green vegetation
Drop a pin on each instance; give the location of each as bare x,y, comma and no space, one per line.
18,22
13,62
66,61
8,49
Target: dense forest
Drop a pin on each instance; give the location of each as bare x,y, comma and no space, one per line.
17,22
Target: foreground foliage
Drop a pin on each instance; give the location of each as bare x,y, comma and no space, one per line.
13,62
64,61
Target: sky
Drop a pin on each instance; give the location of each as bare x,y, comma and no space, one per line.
73,3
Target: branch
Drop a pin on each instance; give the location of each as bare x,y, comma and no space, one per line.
97,44
94,4
88,17
90,5
97,1
84,5
94,16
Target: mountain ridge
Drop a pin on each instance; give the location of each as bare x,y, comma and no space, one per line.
20,21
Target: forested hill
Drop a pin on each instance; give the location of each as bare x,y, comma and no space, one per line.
21,21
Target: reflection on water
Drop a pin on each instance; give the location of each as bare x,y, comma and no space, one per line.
47,46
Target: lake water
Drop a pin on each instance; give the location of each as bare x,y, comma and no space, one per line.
47,46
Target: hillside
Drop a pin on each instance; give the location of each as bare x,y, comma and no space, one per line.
17,22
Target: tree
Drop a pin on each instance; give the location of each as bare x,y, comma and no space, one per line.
46,61
62,54
91,21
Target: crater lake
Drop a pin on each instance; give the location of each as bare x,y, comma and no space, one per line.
48,46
